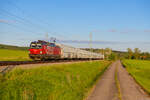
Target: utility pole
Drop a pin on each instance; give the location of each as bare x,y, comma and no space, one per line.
90,44
46,37
91,41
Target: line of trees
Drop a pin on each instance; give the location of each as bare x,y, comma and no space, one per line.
109,54
114,55
137,54
130,54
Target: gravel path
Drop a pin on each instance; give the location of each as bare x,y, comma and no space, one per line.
107,89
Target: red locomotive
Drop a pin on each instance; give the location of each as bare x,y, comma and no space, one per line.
41,50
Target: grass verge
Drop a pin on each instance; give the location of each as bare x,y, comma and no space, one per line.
55,82
140,70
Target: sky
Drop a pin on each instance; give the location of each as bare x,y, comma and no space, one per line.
116,24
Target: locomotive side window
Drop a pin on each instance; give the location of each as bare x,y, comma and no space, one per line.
39,46
52,45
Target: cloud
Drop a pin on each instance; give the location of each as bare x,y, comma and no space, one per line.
147,31
112,30
135,31
96,31
87,42
7,21
130,31
124,31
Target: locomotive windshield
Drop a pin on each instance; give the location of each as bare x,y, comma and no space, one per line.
39,46
36,45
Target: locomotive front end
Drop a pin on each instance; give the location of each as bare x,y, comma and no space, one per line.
36,51
42,50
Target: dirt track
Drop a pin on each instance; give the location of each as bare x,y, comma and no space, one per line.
107,88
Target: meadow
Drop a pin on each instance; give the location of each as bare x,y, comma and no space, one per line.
53,82
140,70
13,55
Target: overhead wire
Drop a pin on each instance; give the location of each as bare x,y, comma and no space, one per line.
27,22
41,21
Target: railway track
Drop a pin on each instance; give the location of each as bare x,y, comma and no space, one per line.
6,63
6,66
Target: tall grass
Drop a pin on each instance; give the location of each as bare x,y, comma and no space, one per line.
13,55
55,82
140,70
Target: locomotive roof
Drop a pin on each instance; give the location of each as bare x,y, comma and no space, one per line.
42,42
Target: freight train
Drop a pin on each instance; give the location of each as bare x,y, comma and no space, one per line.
42,50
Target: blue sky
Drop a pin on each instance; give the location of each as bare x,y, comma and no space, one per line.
126,22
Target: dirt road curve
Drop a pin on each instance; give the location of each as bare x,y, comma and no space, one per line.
108,89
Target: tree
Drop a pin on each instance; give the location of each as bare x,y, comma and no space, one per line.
102,51
130,53
137,53
108,52
113,56
145,55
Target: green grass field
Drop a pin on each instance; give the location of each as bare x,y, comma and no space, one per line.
140,70
13,55
55,82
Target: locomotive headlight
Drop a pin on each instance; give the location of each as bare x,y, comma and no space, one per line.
40,52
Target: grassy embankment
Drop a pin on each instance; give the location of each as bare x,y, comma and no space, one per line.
55,82
140,70
13,53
